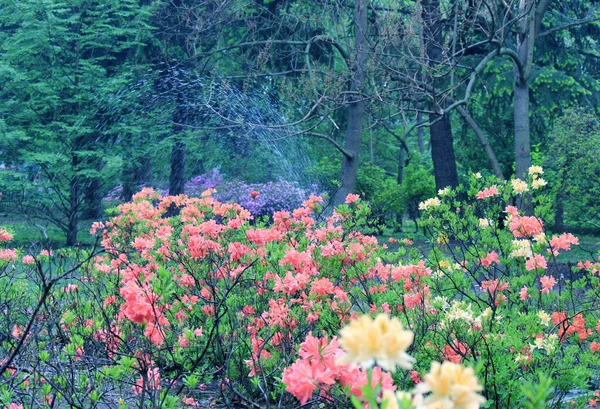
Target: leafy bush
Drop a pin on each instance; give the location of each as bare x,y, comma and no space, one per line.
203,300
575,169
261,199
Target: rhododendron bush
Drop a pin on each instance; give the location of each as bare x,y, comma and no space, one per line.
192,298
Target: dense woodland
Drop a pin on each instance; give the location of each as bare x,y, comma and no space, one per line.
299,204
393,100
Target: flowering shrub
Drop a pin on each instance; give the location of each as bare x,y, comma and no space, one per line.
260,199
183,303
272,196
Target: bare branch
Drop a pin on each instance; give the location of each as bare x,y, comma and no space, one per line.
567,26
329,139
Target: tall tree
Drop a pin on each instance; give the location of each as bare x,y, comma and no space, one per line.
441,139
59,58
356,106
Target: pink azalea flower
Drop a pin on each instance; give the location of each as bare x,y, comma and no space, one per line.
523,294
537,261
351,198
547,283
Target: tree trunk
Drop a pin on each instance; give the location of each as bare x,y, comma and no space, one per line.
442,143
420,133
559,215
484,142
401,165
93,199
177,176
442,153
92,193
356,108
73,204
521,117
135,173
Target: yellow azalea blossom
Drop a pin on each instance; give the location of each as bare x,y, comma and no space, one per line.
540,238
381,340
519,186
478,175
521,248
431,202
389,398
443,238
538,343
483,223
444,191
534,170
395,400
521,359
487,313
544,317
452,386
551,343
536,184
460,310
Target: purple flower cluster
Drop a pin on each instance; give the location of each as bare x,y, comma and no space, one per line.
261,199
272,196
198,184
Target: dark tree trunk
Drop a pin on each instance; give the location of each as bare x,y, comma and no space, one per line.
177,176
522,139
401,165
93,199
559,215
442,143
400,179
73,204
356,108
92,193
135,174
129,185
420,133
442,153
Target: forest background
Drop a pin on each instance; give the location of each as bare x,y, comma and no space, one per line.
393,100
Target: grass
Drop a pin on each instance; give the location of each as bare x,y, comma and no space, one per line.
34,233
588,248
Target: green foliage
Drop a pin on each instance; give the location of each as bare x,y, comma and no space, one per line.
574,168
58,60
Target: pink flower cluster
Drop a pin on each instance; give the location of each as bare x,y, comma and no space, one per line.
491,257
535,262
525,226
562,242
317,370
5,235
487,192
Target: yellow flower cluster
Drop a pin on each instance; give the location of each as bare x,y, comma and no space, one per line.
521,248
544,317
443,238
452,386
483,223
535,170
381,340
519,186
538,183
443,192
548,343
431,202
